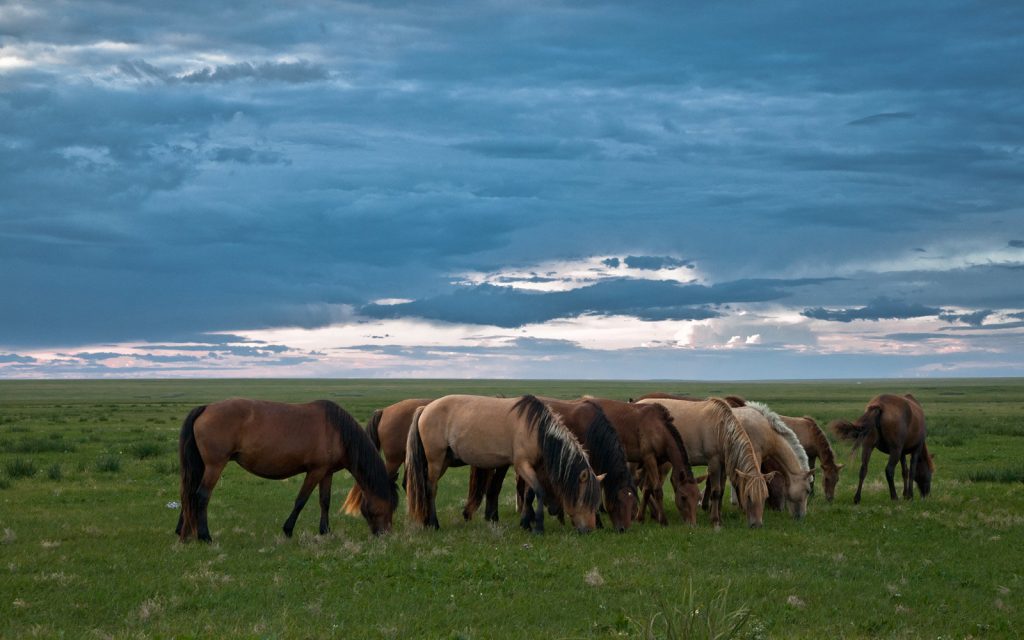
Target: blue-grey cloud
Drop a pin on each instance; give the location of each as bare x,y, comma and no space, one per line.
881,308
974,318
247,155
654,263
1016,244
879,118
14,357
289,72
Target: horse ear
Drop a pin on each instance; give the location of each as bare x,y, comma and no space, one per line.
743,474
839,467
700,479
600,478
810,474
769,476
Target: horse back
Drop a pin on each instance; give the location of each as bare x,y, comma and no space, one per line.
478,430
901,423
393,428
696,423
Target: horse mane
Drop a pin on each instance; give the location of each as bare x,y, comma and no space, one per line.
606,454
783,430
825,452
363,458
735,401
669,424
739,453
563,456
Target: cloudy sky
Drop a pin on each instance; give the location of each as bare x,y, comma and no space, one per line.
511,189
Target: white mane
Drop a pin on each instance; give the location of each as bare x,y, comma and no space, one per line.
782,429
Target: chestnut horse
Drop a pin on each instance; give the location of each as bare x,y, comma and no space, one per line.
894,425
490,433
779,450
276,440
600,441
817,446
388,429
713,437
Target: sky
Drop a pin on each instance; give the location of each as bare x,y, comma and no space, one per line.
784,190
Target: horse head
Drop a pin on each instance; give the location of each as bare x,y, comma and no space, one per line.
622,507
583,510
831,479
923,475
378,511
797,491
753,491
688,500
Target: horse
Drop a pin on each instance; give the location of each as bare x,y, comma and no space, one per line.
780,451
894,425
387,429
650,440
732,401
600,441
817,446
713,437
489,433
276,440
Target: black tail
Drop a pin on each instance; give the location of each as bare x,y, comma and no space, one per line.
417,476
192,468
372,426
859,430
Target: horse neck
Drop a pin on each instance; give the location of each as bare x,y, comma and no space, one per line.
825,452
735,443
674,447
783,431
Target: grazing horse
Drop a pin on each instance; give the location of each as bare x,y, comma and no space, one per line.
388,429
600,441
894,425
732,401
650,439
817,446
713,437
490,433
276,440
779,450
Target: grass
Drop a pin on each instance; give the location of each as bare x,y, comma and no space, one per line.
95,555
20,468
108,463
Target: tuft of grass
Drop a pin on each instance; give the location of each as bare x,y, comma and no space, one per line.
54,472
37,445
143,450
714,619
1006,475
108,463
21,468
5,482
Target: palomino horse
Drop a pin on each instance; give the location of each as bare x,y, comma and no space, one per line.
817,446
894,425
713,437
779,450
489,433
600,441
650,440
276,440
732,401
388,429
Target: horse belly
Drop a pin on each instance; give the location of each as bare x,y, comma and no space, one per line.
486,453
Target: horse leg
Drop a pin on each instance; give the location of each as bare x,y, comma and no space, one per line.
908,479
865,456
210,477
181,523
890,471
477,486
493,491
310,481
529,476
716,478
325,502
654,488
811,461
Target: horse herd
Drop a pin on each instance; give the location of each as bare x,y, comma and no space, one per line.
572,459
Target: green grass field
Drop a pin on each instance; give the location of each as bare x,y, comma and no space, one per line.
87,549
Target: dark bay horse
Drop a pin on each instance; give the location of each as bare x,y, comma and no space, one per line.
650,439
600,440
894,425
387,429
490,433
276,440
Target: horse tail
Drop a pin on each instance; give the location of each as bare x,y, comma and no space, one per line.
417,477
859,430
192,469
355,495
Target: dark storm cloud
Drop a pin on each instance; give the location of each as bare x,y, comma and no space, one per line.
190,167
644,299
974,319
1016,244
880,308
14,357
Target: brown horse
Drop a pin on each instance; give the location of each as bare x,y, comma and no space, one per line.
600,441
894,425
650,439
713,437
388,429
779,450
276,440
817,446
490,433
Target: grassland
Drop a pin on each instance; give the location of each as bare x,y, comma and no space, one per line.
87,470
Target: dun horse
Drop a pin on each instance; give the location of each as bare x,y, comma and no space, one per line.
713,437
388,429
894,425
490,433
600,441
779,450
275,440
